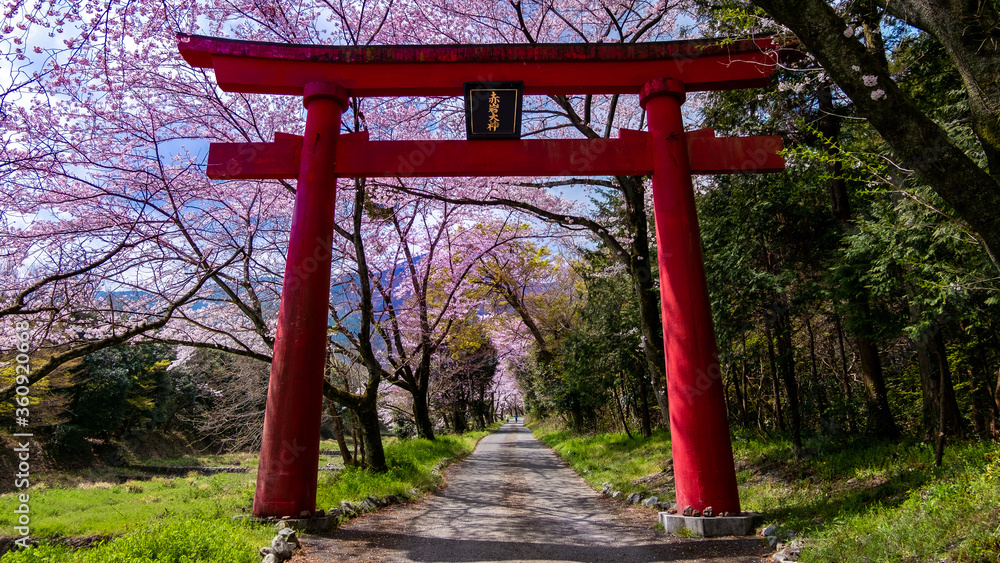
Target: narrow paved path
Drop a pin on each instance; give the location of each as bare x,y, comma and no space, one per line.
514,499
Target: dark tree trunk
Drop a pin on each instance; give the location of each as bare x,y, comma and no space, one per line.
942,420
996,405
829,127
786,366
461,425
374,454
621,413
953,421
338,431
977,402
821,401
846,381
421,412
648,297
933,367
647,423
737,378
928,385
772,364
871,370
745,379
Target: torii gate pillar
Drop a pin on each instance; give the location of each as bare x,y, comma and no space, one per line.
289,453
704,473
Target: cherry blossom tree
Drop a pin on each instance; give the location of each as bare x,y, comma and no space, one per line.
409,264
112,233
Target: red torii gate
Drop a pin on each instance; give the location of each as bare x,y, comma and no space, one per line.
661,73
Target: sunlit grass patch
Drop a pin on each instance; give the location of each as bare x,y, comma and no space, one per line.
411,466
168,540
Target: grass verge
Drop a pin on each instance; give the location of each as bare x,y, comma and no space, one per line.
188,519
876,501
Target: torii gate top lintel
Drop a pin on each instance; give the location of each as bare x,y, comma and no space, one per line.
441,70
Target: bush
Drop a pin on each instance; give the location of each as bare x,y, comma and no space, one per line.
69,441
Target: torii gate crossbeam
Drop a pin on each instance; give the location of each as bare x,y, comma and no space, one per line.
661,73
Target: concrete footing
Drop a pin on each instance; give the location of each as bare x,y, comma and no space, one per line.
708,527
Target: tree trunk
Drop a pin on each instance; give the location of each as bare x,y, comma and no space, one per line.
996,405
779,419
821,400
953,421
374,454
338,431
843,358
933,367
871,370
421,412
745,380
928,383
460,424
647,295
829,127
647,423
621,413
786,366
740,401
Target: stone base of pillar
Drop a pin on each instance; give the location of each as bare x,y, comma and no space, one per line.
708,527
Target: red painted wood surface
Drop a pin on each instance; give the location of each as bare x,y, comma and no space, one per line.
357,157
704,472
289,454
441,70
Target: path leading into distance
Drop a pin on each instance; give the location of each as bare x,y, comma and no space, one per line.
514,499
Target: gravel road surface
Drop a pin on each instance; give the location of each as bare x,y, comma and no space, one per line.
514,499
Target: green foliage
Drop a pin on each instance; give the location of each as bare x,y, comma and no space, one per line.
122,389
69,440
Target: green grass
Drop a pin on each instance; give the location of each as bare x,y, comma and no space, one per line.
411,464
608,458
176,519
105,508
174,541
876,501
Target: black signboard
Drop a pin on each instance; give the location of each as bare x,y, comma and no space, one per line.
493,110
